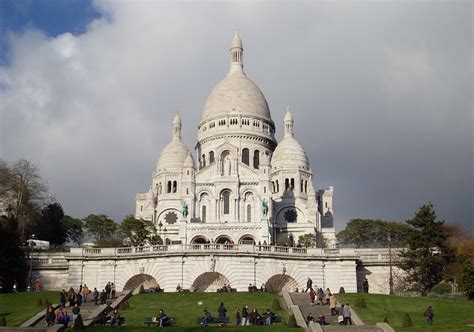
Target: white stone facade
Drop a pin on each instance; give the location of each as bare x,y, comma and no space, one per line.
244,186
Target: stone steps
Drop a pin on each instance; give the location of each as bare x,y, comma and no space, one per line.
351,328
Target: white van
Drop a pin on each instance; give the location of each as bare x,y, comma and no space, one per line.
38,244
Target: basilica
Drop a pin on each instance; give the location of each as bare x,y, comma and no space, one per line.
241,186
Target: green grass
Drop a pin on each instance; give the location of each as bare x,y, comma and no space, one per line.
188,306
18,307
449,315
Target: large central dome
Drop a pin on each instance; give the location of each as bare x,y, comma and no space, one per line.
236,94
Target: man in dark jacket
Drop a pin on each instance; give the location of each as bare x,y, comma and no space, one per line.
309,284
63,298
222,310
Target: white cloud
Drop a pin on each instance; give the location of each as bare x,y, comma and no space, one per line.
94,110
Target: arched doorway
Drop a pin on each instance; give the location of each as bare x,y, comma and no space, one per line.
209,282
247,239
135,282
224,239
279,282
199,239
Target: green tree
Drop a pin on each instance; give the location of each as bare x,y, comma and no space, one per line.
100,226
73,228
11,259
427,254
138,231
370,233
22,192
307,240
467,281
49,226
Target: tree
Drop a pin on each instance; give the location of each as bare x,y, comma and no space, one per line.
138,231
73,229
427,254
307,240
467,281
462,244
100,226
49,226
368,232
22,191
11,266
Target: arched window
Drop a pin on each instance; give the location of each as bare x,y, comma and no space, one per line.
287,184
249,213
245,156
277,186
203,160
256,159
301,186
168,188
211,157
292,185
159,189
203,213
175,186
226,202
306,186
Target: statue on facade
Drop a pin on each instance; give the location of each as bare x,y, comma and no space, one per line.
184,209
212,264
264,208
227,166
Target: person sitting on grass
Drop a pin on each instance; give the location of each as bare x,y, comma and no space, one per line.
115,318
206,317
268,317
254,317
161,318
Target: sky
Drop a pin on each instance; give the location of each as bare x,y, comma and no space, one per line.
381,94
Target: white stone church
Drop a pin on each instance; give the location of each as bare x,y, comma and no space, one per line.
242,186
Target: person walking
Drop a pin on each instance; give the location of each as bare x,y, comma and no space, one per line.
85,292
332,304
309,284
75,311
113,290
96,295
312,295
346,314
429,315
63,298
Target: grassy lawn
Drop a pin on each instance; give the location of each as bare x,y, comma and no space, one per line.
188,306
449,315
18,307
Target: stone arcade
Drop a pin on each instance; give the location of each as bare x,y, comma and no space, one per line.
245,187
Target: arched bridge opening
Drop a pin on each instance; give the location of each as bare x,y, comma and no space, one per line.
280,282
209,282
135,282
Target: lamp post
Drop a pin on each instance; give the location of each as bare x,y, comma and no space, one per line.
31,245
390,278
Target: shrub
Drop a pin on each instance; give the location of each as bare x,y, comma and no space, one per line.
407,321
360,303
341,290
276,305
3,321
385,320
467,281
39,302
124,305
46,303
142,290
292,321
442,288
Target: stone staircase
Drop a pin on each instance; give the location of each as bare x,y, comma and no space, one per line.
303,301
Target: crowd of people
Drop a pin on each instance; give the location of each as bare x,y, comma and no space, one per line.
244,317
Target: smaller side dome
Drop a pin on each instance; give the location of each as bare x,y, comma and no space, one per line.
289,154
175,153
189,161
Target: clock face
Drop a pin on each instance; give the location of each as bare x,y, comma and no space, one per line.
171,218
290,215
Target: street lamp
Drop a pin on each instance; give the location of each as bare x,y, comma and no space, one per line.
31,245
390,278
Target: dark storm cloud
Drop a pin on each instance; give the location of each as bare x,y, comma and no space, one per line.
381,94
